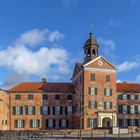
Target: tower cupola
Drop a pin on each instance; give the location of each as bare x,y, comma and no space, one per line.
90,48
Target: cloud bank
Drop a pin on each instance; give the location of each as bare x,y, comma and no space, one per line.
24,60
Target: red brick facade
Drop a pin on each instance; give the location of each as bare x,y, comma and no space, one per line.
92,100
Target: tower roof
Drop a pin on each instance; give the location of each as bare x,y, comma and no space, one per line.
91,40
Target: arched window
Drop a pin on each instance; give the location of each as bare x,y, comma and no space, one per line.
93,53
88,52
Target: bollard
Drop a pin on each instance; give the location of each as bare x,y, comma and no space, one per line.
105,134
92,135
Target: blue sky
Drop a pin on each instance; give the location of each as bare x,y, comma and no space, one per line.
44,38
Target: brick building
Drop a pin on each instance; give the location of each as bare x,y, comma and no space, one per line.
4,110
92,100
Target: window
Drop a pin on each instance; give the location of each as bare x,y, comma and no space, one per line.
120,96
124,109
45,96
108,92
107,78
120,109
69,110
124,96
92,104
50,123
30,110
57,110
30,97
92,91
34,123
107,105
19,123
69,97
17,110
124,122
63,123
132,109
92,123
138,109
18,97
93,53
92,77
46,110
138,97
4,122
57,97
132,122
132,97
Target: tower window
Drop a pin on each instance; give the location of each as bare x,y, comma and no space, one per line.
88,52
93,52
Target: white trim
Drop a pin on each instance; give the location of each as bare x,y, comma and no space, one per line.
77,75
99,69
97,59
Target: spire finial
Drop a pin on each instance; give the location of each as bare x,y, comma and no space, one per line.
91,29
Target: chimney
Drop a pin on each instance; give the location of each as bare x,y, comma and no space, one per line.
43,80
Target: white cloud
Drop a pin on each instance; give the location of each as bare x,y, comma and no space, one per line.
107,47
115,23
126,66
32,37
109,43
43,62
23,60
36,36
119,81
55,36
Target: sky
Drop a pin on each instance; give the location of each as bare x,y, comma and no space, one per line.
45,38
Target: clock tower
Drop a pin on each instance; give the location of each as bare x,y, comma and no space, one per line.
90,48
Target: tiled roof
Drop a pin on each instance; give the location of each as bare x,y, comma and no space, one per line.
27,87
43,87
128,87
58,87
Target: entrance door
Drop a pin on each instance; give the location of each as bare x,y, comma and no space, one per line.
106,122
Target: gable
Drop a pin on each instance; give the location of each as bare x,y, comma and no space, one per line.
100,63
77,69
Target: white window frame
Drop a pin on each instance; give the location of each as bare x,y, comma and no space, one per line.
35,123
57,110
30,110
69,110
20,123
132,109
124,96
132,97
93,91
108,91
124,111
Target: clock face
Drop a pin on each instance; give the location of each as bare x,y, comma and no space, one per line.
100,63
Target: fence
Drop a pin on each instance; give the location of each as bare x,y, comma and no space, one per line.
65,135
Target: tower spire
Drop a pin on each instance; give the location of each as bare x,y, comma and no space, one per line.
91,47
91,29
